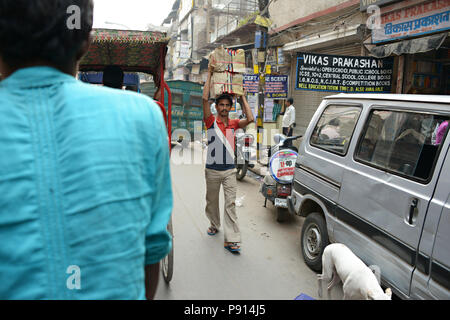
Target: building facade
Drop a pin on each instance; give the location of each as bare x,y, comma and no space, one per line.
324,46
197,28
410,37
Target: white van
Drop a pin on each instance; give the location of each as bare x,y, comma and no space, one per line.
373,173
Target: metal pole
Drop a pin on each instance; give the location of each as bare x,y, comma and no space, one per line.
262,52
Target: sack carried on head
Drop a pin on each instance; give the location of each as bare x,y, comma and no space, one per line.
227,82
222,60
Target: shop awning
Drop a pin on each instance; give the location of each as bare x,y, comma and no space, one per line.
412,46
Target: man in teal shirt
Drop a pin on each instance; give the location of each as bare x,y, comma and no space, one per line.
85,186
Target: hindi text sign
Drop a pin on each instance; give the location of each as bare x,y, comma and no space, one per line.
424,18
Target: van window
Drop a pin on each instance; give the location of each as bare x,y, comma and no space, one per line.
403,143
335,128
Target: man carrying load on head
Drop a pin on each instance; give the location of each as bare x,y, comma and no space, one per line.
220,166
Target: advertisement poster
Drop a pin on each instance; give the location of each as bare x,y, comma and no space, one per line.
412,21
277,87
282,166
252,100
268,110
185,47
319,72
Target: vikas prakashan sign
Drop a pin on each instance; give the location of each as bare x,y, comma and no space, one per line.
319,72
427,17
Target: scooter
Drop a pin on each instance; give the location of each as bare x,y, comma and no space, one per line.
277,184
242,149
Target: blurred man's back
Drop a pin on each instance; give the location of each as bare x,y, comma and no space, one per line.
85,188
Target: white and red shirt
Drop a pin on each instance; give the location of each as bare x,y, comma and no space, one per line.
221,143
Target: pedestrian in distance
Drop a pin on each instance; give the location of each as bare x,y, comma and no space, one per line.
220,167
289,118
84,170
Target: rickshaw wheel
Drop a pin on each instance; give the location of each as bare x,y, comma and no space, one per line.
167,262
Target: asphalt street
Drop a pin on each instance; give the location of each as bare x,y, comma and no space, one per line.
270,266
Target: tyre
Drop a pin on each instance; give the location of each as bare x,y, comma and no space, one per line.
314,239
241,170
167,262
282,214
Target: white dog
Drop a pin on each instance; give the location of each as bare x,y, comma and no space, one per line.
359,282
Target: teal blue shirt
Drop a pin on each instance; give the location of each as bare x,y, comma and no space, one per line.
85,188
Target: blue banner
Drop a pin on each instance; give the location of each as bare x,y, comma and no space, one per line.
251,83
277,87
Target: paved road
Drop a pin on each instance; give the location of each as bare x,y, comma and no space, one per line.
270,266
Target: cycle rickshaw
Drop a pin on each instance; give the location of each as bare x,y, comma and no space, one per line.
135,51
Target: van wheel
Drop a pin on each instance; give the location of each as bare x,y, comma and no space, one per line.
282,214
314,240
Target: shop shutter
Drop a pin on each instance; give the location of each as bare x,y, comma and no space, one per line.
353,50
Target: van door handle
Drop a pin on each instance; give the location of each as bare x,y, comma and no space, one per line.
412,209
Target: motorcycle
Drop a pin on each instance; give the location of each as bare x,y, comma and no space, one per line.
277,184
243,143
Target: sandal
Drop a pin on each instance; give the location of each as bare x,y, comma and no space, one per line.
233,247
212,231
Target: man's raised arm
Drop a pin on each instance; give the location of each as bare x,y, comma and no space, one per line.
247,111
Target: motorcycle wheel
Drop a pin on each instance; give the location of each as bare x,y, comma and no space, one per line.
241,170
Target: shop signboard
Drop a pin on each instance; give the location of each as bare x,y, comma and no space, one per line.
320,72
423,18
251,83
365,4
277,87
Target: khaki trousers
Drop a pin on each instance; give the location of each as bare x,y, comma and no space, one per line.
214,179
